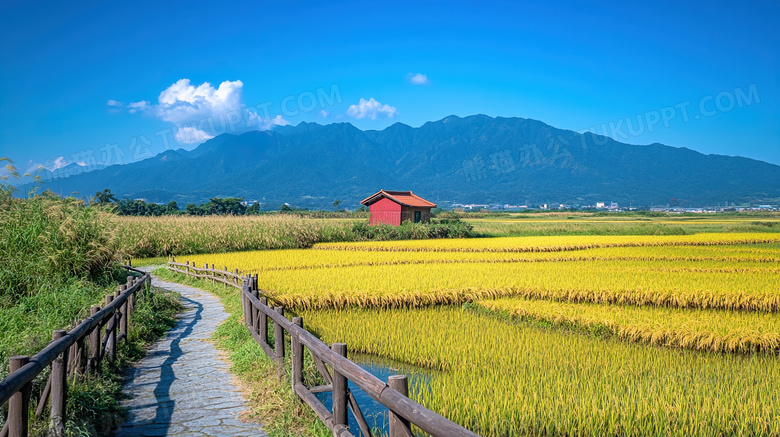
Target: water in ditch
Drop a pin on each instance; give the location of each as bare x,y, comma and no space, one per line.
374,412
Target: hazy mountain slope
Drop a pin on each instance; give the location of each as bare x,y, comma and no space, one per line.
473,159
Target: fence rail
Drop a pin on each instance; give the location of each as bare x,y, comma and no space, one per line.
404,412
77,351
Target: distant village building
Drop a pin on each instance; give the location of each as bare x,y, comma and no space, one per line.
396,207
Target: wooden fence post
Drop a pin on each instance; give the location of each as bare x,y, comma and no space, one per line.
94,344
59,388
19,404
236,278
263,332
124,311
255,313
297,355
131,304
279,344
339,389
244,303
111,332
399,427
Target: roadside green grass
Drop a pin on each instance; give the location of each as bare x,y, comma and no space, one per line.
93,400
271,401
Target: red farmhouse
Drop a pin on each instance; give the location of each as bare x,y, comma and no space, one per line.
395,207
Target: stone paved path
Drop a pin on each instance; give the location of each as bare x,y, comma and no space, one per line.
182,387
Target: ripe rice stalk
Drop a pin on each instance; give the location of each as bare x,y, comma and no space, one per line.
703,330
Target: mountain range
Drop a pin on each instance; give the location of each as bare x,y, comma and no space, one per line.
475,159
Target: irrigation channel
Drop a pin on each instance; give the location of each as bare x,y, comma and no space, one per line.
375,413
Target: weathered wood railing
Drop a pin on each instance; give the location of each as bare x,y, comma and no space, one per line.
212,274
70,352
403,412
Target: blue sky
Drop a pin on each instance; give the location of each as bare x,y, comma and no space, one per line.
112,83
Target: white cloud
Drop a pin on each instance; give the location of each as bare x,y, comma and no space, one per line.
59,163
253,119
371,109
113,102
276,121
324,113
418,79
142,106
202,112
191,135
184,103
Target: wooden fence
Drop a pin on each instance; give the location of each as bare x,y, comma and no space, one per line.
78,351
403,412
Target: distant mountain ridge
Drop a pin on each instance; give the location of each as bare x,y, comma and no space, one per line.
475,159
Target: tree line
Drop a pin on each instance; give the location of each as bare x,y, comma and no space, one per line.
215,206
139,207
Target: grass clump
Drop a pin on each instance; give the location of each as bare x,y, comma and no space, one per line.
48,241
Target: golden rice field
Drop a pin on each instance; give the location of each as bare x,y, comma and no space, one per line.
555,244
500,379
680,277
586,335
707,330
568,223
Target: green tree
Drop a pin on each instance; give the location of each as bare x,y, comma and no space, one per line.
193,209
228,205
336,204
105,197
253,209
172,207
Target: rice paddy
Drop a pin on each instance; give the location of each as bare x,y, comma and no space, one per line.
707,330
678,276
500,379
565,335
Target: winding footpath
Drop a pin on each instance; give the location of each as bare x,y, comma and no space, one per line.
182,387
